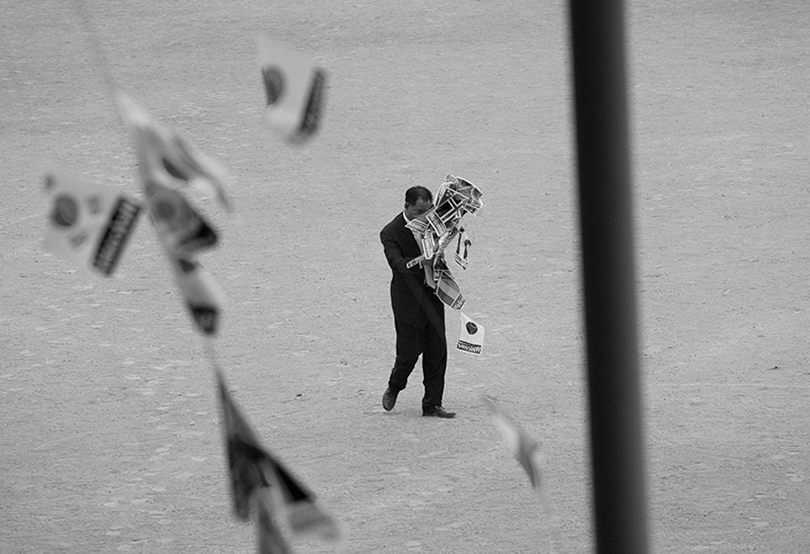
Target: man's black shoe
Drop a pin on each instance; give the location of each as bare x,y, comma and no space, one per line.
389,399
437,411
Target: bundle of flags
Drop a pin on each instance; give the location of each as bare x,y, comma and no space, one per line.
439,227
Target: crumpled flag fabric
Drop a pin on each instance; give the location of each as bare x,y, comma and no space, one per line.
183,231
163,155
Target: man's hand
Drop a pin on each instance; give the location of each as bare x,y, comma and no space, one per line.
416,261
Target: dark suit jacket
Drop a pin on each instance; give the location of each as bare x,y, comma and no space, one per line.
408,291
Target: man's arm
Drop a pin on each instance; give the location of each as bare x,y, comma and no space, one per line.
393,253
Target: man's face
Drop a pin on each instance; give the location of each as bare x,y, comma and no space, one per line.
421,206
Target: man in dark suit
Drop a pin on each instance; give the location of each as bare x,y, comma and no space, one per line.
418,312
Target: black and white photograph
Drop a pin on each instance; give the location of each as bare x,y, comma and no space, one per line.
274,361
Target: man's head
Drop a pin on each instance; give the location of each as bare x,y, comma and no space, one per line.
418,200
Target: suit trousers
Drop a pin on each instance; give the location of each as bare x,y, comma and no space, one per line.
425,336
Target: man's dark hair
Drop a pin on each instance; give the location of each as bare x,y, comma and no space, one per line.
413,194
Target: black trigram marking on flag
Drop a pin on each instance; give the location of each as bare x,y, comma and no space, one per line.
312,112
206,318
468,347
273,84
111,245
173,170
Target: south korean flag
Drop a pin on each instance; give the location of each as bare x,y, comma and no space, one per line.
87,223
471,339
294,89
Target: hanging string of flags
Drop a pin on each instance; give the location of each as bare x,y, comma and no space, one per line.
90,224
168,166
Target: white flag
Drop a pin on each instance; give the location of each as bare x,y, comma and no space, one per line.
88,224
472,336
294,88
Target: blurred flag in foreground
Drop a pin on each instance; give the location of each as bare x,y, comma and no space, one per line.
88,224
525,449
295,90
270,538
162,154
181,228
252,469
201,294
472,336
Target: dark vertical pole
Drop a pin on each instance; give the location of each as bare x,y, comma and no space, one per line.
608,270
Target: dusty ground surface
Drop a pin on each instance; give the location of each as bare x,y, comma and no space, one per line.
110,434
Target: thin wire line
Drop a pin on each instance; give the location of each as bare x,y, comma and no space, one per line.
94,43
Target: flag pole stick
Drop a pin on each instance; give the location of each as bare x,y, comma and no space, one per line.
608,273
